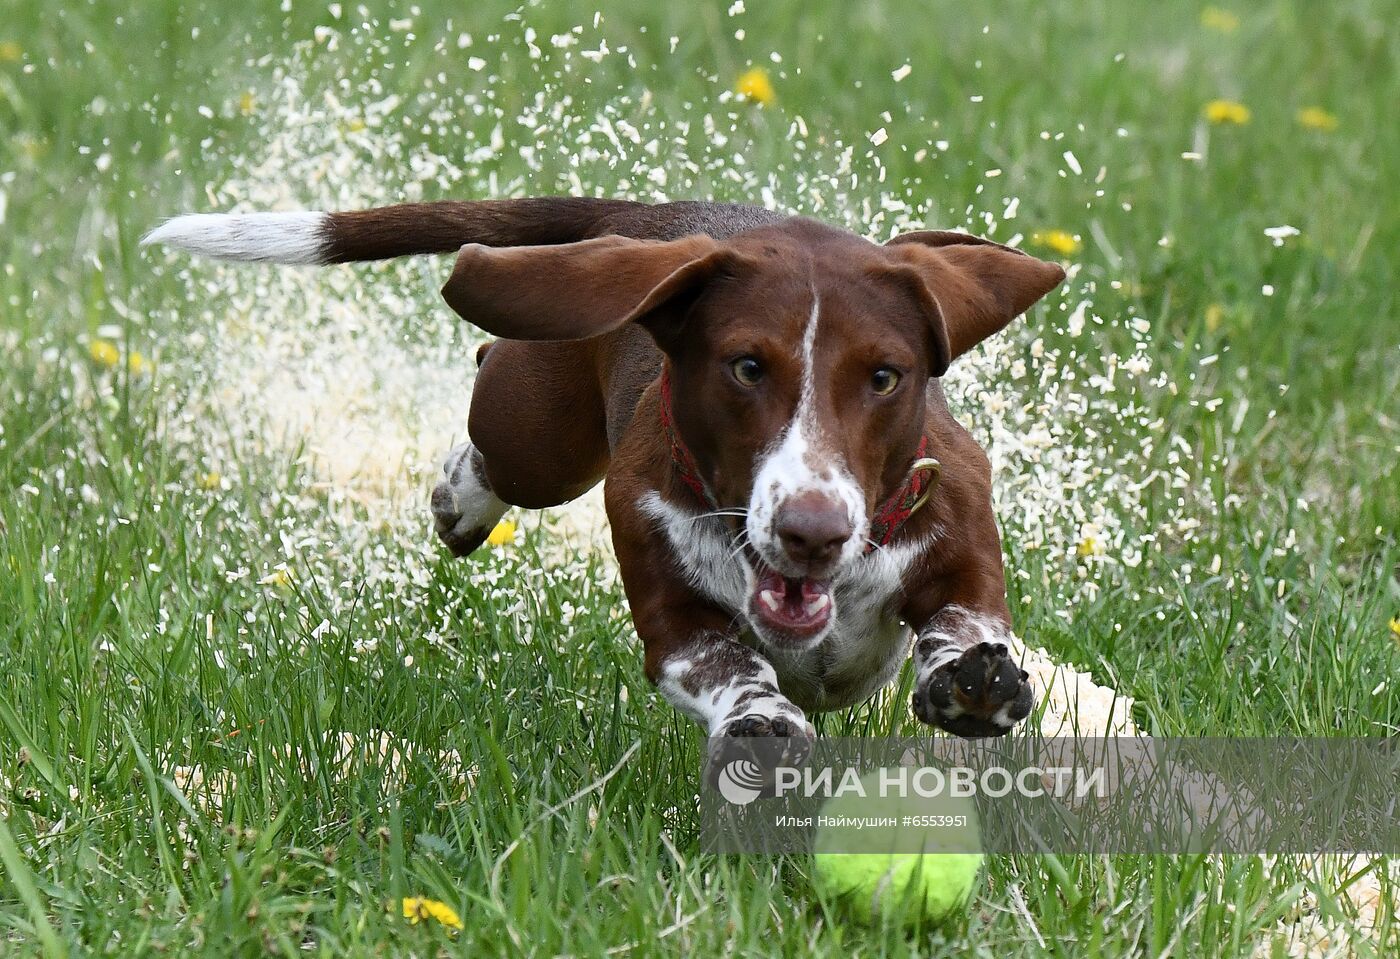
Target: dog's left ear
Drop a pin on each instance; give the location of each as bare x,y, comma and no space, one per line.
971,287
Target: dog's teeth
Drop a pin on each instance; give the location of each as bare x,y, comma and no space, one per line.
815,606
770,599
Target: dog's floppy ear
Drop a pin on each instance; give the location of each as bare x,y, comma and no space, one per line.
970,287
573,291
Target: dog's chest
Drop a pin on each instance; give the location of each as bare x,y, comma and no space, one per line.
867,643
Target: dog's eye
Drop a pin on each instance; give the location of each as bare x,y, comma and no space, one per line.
884,381
747,370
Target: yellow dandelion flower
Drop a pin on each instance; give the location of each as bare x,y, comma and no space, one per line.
245,103
1316,118
1215,315
280,578
756,86
1090,546
137,364
10,52
1221,21
503,534
209,480
1395,627
416,909
104,353
1063,243
1227,111
355,125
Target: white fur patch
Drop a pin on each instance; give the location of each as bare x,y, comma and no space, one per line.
256,237
714,707
473,504
713,563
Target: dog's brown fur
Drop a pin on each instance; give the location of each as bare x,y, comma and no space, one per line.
593,298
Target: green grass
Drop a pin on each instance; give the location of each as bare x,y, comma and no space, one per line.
549,794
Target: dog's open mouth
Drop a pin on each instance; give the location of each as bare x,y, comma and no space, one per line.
791,610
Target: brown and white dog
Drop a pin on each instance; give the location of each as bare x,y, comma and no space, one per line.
792,504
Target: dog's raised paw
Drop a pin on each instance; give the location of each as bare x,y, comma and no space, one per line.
766,742
458,536
980,693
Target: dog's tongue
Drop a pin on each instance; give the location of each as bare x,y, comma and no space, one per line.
795,608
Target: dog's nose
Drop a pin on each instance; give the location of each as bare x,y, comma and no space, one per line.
812,529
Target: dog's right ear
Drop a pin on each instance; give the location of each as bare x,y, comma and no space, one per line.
574,291
970,287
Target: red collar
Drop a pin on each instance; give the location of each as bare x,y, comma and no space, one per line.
680,453
889,516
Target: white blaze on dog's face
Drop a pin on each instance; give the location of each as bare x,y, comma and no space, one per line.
806,516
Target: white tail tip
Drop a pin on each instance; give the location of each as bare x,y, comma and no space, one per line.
256,237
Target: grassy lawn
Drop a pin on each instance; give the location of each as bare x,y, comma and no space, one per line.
247,705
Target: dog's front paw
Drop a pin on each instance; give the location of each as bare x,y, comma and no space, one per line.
761,742
981,692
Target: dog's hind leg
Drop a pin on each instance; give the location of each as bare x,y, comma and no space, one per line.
465,509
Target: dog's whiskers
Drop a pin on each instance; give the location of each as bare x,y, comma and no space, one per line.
718,512
739,621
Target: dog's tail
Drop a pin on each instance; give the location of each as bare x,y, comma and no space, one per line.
391,231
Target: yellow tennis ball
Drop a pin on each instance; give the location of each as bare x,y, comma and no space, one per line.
907,858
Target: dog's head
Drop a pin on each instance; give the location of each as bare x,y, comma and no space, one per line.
799,356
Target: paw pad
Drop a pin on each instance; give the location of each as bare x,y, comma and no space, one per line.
981,693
